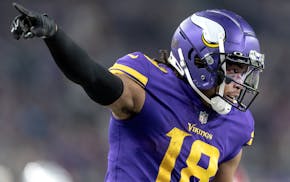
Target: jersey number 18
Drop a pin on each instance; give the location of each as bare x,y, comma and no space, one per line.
198,148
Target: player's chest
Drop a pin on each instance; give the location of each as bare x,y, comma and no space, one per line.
185,129
192,151
197,133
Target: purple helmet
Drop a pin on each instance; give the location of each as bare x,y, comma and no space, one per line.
205,41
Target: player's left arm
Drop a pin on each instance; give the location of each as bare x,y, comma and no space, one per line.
226,171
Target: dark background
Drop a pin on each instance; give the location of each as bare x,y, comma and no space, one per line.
43,116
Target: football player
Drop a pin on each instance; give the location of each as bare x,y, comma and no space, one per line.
184,117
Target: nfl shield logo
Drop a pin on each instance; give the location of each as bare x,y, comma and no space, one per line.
203,116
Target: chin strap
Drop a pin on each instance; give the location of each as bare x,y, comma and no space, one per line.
217,103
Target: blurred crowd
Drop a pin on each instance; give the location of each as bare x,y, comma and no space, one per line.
43,116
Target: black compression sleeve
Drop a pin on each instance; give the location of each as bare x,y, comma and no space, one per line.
101,86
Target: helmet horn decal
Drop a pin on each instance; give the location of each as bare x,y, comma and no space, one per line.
211,30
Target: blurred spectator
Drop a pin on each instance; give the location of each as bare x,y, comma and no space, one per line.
6,174
45,171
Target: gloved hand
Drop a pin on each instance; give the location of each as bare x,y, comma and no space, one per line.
30,24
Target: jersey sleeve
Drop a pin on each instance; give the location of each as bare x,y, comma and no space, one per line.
135,65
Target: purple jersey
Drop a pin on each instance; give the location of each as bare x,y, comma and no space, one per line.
175,137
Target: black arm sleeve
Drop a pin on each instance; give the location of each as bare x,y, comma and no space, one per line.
101,86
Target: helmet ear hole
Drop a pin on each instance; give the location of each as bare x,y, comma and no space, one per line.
199,63
189,54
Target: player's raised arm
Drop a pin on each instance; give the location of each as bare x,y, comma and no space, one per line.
102,86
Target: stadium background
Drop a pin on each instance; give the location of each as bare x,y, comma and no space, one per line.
43,116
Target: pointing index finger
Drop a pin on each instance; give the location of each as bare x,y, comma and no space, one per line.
23,10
